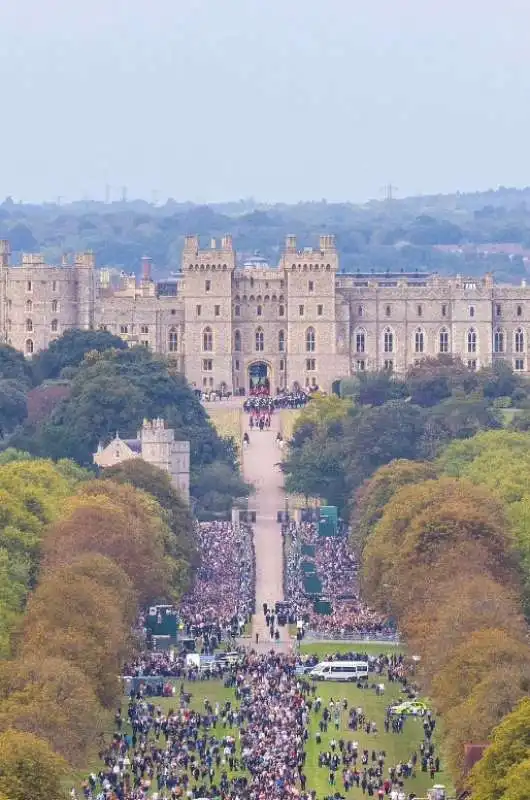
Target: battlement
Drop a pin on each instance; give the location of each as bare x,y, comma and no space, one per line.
326,244
86,260
32,260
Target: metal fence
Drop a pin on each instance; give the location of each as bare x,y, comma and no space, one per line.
353,638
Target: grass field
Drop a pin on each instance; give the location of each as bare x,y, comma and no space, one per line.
397,746
227,421
288,417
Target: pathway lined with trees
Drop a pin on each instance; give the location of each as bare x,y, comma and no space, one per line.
260,468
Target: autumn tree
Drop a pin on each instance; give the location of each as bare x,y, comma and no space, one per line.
74,618
487,704
505,762
29,768
368,503
53,700
473,660
122,523
107,574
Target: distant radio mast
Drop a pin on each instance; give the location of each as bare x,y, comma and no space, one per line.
389,192
123,194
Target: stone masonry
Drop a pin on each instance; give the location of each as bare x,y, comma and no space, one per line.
301,321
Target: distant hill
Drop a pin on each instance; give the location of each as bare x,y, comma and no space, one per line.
471,233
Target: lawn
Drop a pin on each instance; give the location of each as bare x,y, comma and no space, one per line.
288,417
397,746
227,421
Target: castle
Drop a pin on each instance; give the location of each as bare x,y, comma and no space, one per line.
155,444
229,324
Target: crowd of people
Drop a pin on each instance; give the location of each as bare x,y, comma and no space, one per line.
337,571
221,601
252,744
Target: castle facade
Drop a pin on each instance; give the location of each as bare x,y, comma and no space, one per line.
229,325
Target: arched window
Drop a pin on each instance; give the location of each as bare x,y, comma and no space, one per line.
360,311
444,341
388,340
519,340
471,341
55,325
260,340
29,325
260,311
237,311
29,306
360,341
173,340
310,340
237,341
419,340
281,341
207,340
498,341
55,305
29,346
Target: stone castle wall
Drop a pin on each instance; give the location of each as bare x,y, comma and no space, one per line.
307,322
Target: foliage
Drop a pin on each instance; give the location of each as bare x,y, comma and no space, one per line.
69,350
73,617
14,367
323,410
379,387
370,499
435,379
29,769
505,762
115,391
122,523
156,482
51,699
220,485
459,417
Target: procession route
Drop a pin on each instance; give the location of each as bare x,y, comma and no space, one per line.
261,468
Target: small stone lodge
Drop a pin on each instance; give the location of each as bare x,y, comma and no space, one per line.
155,444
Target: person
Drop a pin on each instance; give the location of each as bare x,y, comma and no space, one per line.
246,439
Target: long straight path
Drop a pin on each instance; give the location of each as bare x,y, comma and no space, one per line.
261,468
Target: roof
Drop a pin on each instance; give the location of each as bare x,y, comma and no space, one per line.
134,444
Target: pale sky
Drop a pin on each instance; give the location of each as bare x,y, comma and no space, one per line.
281,100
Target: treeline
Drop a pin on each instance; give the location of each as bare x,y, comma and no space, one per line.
388,418
88,554
390,235
87,385
440,522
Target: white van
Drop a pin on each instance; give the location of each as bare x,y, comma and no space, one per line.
340,671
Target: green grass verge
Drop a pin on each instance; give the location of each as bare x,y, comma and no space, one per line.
322,649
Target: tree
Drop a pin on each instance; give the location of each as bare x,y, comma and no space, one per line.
458,417
369,501
72,617
506,758
69,350
107,574
14,367
13,406
119,522
218,487
435,379
472,661
51,699
377,388
156,482
29,768
323,410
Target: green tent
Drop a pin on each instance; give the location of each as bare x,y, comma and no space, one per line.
312,585
308,550
323,607
308,567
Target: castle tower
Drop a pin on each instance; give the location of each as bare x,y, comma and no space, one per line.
159,448
84,264
207,295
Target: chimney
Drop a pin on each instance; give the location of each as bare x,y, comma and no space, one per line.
146,268
226,242
191,243
213,244
323,243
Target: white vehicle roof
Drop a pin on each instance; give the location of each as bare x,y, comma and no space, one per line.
341,664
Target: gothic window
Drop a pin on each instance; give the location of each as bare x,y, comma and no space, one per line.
519,340
281,311
444,341
29,325
260,311
237,311
310,340
173,341
55,325
237,341
207,340
29,346
54,286
29,288
471,341
29,306
519,311
388,341
281,341
124,329
498,341
471,311
388,311
360,341
419,311
360,311
144,329
419,341
444,310
260,340
55,306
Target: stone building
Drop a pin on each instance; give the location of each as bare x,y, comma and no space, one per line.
230,323
155,444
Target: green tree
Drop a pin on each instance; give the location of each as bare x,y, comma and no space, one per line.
29,769
70,349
